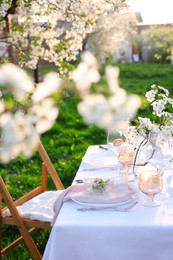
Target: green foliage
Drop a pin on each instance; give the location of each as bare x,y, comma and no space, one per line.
61,46
67,141
160,40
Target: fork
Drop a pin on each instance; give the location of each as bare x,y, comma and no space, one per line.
107,208
99,168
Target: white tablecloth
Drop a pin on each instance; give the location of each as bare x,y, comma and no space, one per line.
140,234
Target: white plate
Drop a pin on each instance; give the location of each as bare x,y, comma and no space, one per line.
101,205
106,159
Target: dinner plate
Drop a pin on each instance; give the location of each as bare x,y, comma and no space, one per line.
134,195
106,159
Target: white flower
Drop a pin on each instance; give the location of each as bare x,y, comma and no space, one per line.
17,137
112,74
111,110
2,107
132,134
118,99
145,126
132,104
89,59
50,85
153,86
44,115
166,92
84,75
150,95
16,80
160,101
94,109
158,107
17,127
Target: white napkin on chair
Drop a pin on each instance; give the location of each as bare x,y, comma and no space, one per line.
38,208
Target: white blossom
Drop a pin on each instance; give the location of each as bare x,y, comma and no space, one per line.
50,85
150,95
54,30
16,125
111,110
2,107
160,101
94,109
158,107
86,72
132,134
165,91
16,80
112,74
17,137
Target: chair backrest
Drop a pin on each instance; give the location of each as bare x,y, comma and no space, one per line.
21,222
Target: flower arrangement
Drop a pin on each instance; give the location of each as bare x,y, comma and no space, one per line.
160,121
98,184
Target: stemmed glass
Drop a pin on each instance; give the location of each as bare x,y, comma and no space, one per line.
150,183
165,144
146,153
160,166
125,156
114,140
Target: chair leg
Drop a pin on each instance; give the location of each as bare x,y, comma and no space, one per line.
17,242
29,242
19,222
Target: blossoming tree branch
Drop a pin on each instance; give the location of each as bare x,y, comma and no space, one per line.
51,30
54,31
160,120
16,123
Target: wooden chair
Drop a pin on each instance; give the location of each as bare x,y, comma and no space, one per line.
27,226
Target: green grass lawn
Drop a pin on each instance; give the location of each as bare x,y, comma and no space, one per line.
68,140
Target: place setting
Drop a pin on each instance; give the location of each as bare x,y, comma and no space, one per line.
99,160
105,192
119,172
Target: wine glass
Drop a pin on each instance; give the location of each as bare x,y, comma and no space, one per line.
150,183
160,166
165,144
145,154
125,156
114,140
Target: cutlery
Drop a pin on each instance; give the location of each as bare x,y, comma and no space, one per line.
104,148
98,168
125,209
79,181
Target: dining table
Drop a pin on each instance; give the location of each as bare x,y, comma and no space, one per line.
106,234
